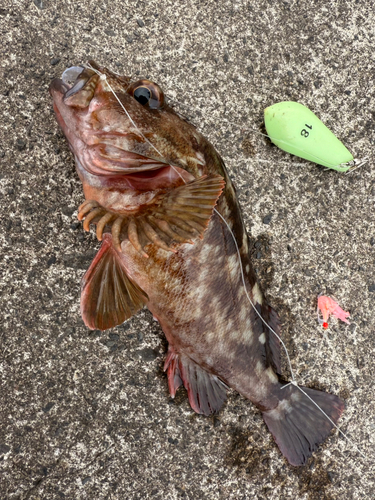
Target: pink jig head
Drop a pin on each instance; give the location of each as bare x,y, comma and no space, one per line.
328,306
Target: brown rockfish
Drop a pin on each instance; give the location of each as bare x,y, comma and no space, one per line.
167,213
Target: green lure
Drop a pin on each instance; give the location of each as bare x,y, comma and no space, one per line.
296,130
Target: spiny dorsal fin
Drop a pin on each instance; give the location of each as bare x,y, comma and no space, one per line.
109,296
177,216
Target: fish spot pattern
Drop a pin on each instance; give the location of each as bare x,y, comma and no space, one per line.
257,294
262,338
271,375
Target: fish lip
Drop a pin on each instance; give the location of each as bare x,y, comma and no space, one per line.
152,170
57,85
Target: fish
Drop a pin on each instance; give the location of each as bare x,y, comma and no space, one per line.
174,240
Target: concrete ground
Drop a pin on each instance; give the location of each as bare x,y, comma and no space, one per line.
87,415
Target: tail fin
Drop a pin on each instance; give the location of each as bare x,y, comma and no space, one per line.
298,426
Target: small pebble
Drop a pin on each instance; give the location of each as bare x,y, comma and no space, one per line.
21,144
38,3
51,260
267,219
48,406
147,354
4,449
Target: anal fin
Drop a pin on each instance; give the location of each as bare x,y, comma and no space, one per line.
108,295
206,392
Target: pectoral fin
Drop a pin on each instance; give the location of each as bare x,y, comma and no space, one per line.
178,216
109,296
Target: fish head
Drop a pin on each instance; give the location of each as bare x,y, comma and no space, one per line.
119,127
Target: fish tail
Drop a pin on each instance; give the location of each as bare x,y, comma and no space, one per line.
298,423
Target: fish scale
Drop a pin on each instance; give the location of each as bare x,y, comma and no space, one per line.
173,251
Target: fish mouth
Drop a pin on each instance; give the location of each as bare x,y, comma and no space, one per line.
76,78
76,87
72,80
99,152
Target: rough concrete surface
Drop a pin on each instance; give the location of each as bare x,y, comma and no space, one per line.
87,415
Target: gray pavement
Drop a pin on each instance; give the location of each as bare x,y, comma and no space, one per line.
87,415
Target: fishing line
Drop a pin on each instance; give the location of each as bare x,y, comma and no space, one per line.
248,297
103,77
332,422
354,164
293,382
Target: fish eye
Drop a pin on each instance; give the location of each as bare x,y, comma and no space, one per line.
142,95
147,93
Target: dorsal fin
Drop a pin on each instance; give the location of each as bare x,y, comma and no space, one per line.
269,343
273,321
109,296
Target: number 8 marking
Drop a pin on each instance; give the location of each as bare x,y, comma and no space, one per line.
304,132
